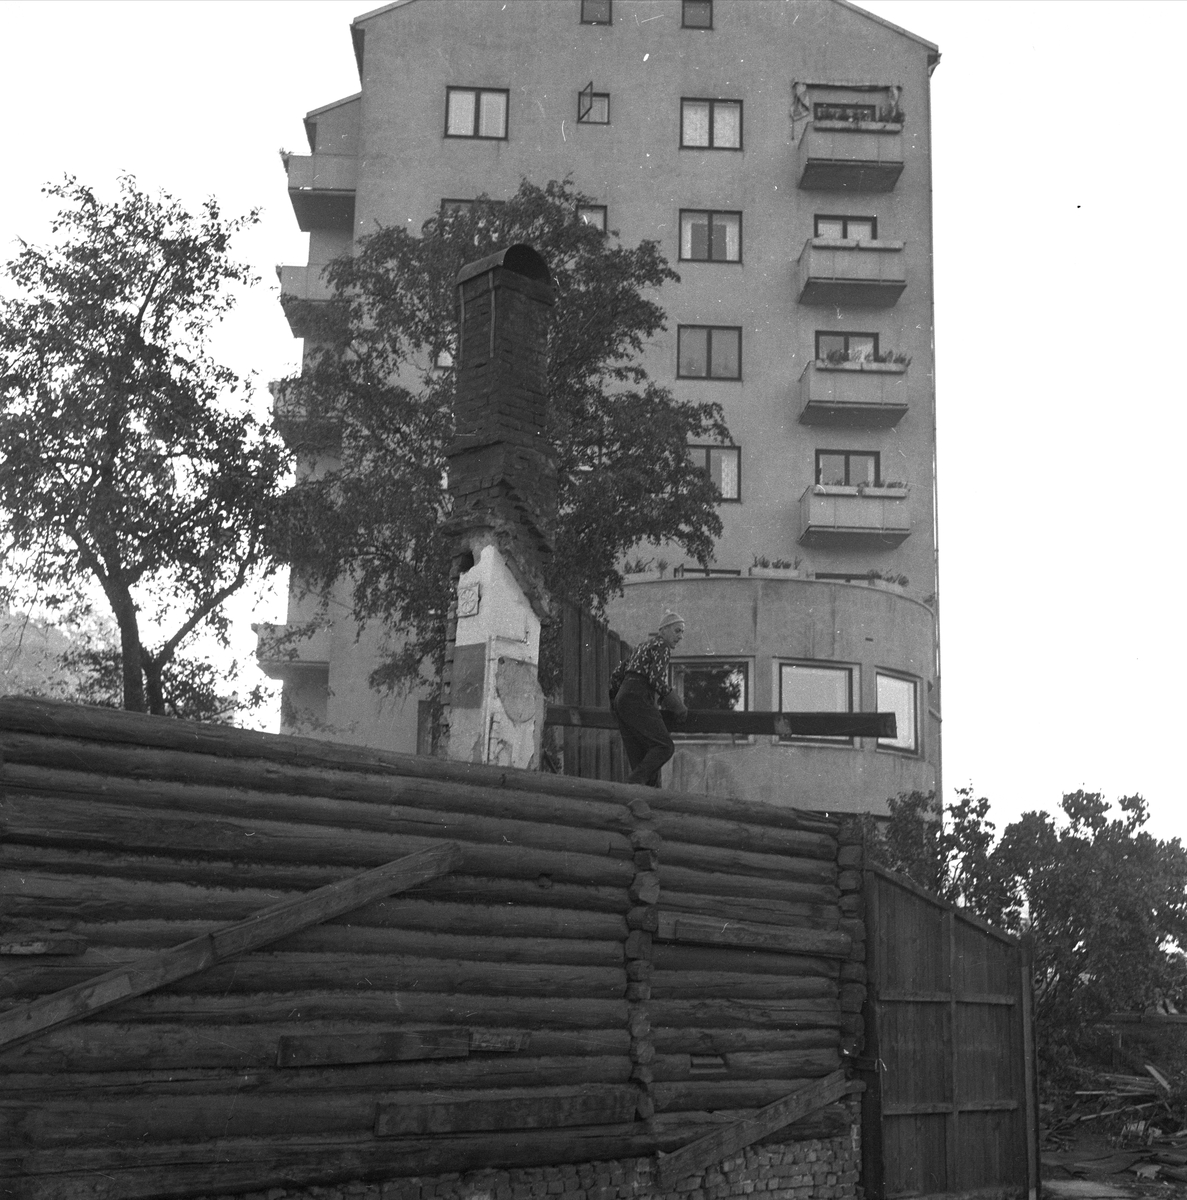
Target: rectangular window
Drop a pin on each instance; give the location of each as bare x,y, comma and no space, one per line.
592,214
711,124
707,236
593,108
815,687
847,468
717,685
844,112
596,12
901,697
697,14
476,113
723,465
451,208
708,352
863,228
846,347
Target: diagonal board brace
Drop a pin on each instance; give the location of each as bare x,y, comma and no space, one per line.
268,925
713,1147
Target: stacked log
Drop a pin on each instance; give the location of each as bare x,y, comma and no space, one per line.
598,975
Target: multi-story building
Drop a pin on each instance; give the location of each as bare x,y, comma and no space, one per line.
779,150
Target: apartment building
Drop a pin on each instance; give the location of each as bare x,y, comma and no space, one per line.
779,150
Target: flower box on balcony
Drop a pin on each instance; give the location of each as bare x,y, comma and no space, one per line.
848,272
832,515
850,156
863,395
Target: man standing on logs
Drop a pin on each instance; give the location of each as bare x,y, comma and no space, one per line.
639,688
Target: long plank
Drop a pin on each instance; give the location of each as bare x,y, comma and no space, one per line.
332,1049
267,925
719,1144
689,927
705,720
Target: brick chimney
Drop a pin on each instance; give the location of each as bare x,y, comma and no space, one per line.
502,483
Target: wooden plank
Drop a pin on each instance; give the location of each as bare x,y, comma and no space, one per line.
525,1108
926,1108
154,971
685,927
49,943
806,724
319,1050
988,998
713,1147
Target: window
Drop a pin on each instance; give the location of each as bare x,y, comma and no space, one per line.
697,14
814,687
846,347
899,696
451,208
596,12
593,108
717,685
707,236
723,465
844,112
711,124
475,112
708,352
592,214
847,468
864,228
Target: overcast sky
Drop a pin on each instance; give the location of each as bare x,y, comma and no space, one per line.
1060,276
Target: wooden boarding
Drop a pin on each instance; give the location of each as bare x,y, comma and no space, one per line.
741,724
49,943
268,925
691,927
713,1147
335,1049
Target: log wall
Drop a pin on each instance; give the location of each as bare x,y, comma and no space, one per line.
605,971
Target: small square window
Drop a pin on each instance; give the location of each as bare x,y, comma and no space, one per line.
593,108
476,113
723,464
863,228
815,687
708,352
846,347
696,14
592,214
847,468
711,124
710,236
596,12
901,697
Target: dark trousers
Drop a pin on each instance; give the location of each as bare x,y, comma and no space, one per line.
645,737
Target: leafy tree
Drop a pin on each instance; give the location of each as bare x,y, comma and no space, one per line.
128,458
372,377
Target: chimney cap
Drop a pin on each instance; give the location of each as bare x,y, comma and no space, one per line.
520,259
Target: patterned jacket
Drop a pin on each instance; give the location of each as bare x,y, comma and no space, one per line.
651,660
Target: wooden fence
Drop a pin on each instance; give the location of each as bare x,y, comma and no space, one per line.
950,1105
207,984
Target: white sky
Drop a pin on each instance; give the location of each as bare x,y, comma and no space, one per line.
1060,275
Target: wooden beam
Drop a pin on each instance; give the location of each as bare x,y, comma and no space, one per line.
803,724
692,927
268,925
713,1147
335,1049
46,943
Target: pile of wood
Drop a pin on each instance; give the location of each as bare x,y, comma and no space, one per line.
230,960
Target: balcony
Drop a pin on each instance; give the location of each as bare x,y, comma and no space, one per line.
848,273
302,283
849,156
322,189
857,395
833,517
281,653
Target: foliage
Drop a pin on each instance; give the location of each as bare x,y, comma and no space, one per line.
379,368
128,458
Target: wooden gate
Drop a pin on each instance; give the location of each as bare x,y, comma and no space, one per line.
950,1105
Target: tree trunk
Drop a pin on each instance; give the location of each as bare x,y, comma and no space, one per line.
131,654
155,693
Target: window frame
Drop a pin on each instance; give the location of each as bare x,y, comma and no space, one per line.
708,377
710,660
876,455
707,447
584,208
588,91
818,217
684,9
478,93
872,109
709,213
852,672
846,334
915,750
594,21
712,103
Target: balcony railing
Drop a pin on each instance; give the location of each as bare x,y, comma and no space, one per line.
832,516
861,395
845,156
846,272
302,283
322,189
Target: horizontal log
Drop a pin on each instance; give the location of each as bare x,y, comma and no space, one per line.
686,984
700,1094
738,960
437,1112
774,912
48,943
739,724
808,1012
743,835
834,1120
784,939
742,1065
720,883
792,867
746,1041
332,1049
